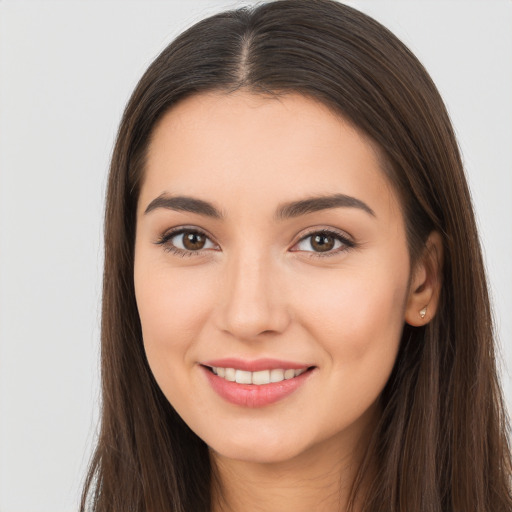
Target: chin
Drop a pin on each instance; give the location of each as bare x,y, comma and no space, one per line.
262,447
258,454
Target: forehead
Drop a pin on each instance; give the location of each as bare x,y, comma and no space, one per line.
246,149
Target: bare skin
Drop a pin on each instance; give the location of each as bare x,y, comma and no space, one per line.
318,479
242,275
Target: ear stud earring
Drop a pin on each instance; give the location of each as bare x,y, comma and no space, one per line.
423,312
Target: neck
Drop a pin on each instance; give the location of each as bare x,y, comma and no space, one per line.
318,479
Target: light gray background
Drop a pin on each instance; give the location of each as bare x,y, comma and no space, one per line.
66,71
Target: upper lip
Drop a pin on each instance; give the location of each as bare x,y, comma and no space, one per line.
255,365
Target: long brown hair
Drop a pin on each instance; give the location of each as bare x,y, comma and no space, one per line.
441,444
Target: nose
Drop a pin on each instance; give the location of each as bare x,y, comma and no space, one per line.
252,301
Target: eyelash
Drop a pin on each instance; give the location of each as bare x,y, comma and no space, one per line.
164,241
346,243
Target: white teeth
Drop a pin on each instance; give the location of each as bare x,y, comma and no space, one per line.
289,374
243,377
262,377
257,378
276,375
230,374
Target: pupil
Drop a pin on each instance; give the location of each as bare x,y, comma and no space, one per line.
193,241
322,243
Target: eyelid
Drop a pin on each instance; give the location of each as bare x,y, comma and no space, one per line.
164,240
345,239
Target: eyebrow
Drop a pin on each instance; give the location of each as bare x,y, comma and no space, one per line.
284,211
315,204
184,204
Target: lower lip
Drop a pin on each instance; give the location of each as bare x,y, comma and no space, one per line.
252,395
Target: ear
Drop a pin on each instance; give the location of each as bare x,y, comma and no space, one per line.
426,282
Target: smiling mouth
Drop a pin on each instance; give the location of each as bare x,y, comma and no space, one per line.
258,378
265,385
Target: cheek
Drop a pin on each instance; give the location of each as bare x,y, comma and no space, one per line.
358,329
172,306
358,317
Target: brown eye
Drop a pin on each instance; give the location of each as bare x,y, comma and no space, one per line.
193,241
322,242
186,241
326,242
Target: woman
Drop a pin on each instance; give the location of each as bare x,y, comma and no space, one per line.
295,311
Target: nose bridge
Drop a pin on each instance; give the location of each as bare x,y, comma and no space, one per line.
252,301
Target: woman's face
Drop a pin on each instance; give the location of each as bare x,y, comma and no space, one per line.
269,240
